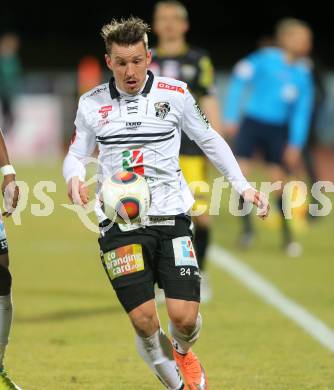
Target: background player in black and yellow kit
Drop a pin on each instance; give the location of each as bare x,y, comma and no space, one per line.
173,57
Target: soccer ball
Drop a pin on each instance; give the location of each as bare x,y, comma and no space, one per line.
126,197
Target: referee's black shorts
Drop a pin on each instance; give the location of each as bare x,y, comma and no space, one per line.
135,260
257,136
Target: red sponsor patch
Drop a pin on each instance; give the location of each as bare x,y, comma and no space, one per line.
162,85
104,111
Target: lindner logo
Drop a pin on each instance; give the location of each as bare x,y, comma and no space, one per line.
161,109
133,161
104,111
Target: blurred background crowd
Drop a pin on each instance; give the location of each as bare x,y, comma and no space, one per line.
48,59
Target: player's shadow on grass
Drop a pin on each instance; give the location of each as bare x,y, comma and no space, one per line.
68,314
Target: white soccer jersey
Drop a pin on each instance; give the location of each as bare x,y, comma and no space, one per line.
142,133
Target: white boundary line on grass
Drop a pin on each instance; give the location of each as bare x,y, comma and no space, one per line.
273,296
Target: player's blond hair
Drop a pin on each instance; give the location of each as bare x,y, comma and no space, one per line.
125,32
286,24
174,3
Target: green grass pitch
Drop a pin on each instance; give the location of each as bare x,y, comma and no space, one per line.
70,332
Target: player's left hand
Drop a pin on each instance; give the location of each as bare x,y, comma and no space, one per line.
291,157
10,192
259,200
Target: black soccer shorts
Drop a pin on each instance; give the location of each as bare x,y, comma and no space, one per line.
137,259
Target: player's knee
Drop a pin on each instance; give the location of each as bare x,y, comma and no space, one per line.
5,281
185,324
146,324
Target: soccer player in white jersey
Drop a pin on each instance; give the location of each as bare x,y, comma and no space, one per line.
136,121
11,193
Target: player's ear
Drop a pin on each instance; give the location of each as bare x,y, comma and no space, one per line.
148,57
108,61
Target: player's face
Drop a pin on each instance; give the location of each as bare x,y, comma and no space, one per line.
169,22
298,41
129,65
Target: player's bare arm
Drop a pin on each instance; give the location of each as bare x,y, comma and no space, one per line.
9,188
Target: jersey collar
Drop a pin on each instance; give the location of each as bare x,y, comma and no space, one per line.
114,93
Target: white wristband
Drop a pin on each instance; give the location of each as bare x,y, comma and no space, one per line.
7,170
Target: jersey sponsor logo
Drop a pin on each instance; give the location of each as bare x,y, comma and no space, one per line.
132,106
184,252
158,221
161,109
133,161
170,87
202,116
104,111
133,125
124,260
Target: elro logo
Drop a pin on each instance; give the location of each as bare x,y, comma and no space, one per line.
104,111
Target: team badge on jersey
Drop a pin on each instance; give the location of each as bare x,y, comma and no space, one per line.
161,109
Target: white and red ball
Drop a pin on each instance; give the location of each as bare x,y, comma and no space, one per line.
126,197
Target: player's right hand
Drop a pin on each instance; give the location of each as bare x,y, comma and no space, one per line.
259,200
10,192
77,191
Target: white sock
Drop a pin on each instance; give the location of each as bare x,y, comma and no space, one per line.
181,342
6,312
157,352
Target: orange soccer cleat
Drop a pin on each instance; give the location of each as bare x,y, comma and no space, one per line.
192,371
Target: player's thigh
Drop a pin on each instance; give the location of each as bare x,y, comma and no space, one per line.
127,258
178,272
